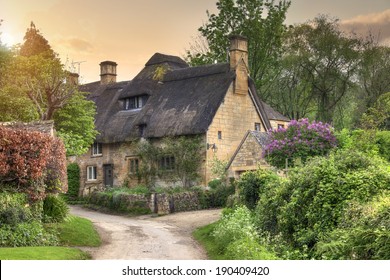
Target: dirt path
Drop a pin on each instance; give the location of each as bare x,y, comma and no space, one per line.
146,237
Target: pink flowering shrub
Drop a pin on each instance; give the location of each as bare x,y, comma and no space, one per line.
301,139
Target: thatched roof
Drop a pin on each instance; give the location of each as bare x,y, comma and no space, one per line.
182,100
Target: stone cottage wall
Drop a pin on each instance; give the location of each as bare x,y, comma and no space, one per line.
236,115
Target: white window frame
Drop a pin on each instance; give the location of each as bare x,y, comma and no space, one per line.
91,173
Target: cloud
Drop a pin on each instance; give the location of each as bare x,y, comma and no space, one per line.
378,24
76,45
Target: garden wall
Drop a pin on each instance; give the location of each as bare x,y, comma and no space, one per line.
142,204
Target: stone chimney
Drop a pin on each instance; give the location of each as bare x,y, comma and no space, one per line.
107,72
73,79
239,62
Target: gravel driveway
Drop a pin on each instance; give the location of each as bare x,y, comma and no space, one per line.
146,237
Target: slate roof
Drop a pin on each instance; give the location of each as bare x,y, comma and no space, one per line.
183,101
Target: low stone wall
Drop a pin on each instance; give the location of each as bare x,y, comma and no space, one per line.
157,203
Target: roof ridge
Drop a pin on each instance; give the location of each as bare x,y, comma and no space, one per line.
196,72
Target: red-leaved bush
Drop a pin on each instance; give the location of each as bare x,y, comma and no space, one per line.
33,162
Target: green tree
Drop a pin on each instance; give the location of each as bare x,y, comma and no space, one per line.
75,124
37,86
330,59
35,43
244,17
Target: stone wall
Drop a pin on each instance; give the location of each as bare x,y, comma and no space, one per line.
155,203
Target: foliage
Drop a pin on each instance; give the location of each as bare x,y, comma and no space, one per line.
378,115
186,152
26,234
73,171
233,227
248,249
218,168
35,85
188,158
260,21
55,209
363,233
31,159
300,140
383,143
329,60
35,43
75,124
216,197
251,184
311,203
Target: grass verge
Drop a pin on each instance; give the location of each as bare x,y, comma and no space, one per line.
74,231
77,231
42,253
204,236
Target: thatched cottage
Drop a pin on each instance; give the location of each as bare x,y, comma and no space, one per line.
168,98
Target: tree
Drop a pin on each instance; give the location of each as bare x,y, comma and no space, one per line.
245,17
35,43
373,76
75,124
330,59
37,86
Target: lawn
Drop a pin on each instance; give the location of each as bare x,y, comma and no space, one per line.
75,231
42,253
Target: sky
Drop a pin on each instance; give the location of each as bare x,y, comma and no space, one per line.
87,32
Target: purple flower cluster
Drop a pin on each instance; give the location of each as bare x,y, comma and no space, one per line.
301,139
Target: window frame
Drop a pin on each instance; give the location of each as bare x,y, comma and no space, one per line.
219,135
133,165
134,102
167,163
91,173
257,126
97,149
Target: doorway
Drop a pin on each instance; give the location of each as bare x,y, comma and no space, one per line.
108,175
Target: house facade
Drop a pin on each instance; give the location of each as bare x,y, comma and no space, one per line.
168,98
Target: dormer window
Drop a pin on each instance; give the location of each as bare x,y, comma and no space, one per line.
135,102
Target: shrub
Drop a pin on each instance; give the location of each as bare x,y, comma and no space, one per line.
363,233
316,196
300,140
73,171
30,160
233,227
26,234
55,209
383,143
251,185
248,249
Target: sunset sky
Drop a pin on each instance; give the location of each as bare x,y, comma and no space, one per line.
129,32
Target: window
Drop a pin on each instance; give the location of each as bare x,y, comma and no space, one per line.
219,135
257,127
91,173
280,125
97,149
133,165
135,102
167,163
